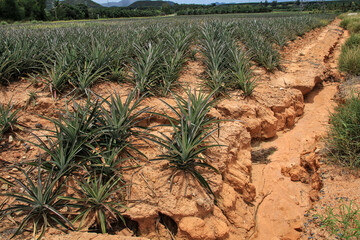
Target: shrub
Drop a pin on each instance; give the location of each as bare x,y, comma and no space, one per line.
145,67
57,77
192,128
106,161
215,48
62,154
349,60
85,75
120,121
8,117
40,203
35,22
93,200
344,134
265,54
242,75
79,126
170,72
116,74
71,141
9,66
177,44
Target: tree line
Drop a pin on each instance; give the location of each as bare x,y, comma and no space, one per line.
17,10
25,10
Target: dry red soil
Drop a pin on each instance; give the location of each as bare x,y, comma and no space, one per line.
269,168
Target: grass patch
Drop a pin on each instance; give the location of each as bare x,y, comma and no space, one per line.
353,41
354,26
344,23
349,22
342,222
349,60
344,135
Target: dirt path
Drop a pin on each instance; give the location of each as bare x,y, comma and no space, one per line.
282,211
282,202
309,61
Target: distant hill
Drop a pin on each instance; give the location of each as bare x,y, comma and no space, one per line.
51,3
149,4
126,3
122,3
136,4
89,3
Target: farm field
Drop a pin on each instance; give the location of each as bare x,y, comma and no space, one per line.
165,128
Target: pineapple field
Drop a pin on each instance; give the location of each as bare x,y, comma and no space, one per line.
164,128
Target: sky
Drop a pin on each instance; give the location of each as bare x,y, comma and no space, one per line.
188,1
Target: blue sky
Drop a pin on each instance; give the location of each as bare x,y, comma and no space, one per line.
188,1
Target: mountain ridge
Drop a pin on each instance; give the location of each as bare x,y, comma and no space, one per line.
91,4
128,3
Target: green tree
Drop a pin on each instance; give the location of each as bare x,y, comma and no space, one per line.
84,9
166,8
9,9
28,6
40,13
274,3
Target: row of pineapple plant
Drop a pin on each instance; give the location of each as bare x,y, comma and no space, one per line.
157,65
265,37
77,178
228,65
92,142
78,55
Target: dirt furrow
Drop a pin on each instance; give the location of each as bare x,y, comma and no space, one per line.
282,202
281,213
305,67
